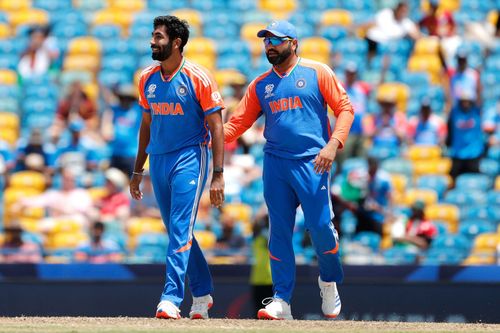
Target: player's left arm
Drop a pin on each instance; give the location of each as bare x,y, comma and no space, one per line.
337,99
212,104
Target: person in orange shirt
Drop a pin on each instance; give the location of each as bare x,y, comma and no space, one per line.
300,149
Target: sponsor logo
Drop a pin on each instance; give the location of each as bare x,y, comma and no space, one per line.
301,83
284,104
269,90
323,188
216,97
192,182
151,91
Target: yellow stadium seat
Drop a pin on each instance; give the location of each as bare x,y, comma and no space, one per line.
123,18
35,213
399,182
443,212
97,193
14,5
9,120
4,31
427,46
204,60
278,7
85,62
340,17
321,57
315,45
249,31
28,17
30,224
67,240
418,152
84,45
497,183
493,17
239,211
481,257
193,17
400,91
428,196
64,225
447,5
8,77
487,241
226,77
140,225
127,5
92,90
28,179
427,63
13,194
9,135
205,238
201,46
440,166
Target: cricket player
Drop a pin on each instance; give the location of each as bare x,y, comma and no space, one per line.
293,96
181,112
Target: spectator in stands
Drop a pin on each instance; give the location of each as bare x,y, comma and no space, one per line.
77,153
231,237
465,136
15,250
40,54
115,205
418,231
387,127
68,202
463,78
427,128
7,156
390,25
358,93
120,125
147,207
373,209
34,145
240,170
491,126
76,106
98,250
260,274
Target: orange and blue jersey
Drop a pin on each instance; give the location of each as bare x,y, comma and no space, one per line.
295,109
178,105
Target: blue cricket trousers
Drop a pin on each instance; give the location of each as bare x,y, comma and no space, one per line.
178,180
289,183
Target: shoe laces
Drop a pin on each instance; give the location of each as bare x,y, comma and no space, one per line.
271,300
327,290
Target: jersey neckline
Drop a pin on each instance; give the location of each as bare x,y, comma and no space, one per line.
289,72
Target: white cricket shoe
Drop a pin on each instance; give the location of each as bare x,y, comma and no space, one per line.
276,309
167,310
200,307
331,299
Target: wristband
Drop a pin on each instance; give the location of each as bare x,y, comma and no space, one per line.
218,169
139,173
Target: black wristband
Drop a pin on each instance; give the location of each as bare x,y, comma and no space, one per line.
218,169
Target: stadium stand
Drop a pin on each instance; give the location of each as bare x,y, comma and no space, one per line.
105,44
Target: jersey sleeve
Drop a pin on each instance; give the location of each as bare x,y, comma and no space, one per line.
143,102
337,99
245,114
207,91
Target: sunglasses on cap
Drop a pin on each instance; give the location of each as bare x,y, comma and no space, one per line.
275,41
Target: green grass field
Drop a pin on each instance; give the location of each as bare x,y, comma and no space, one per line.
149,325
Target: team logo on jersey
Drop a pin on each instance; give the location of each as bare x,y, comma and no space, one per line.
269,90
301,83
182,90
151,91
216,97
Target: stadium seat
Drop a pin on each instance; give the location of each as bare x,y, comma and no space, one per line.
481,257
340,17
28,179
487,241
8,77
66,240
81,62
201,46
489,167
14,6
315,45
438,183
418,152
428,196
474,227
446,213
5,31
472,181
428,45
109,16
368,239
106,31
461,197
426,63
9,120
205,238
127,5
441,166
28,17
444,257
194,18
400,91
162,5
140,225
447,5
279,9
497,183
400,256
85,45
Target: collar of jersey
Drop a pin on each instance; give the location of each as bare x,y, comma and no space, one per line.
174,74
289,72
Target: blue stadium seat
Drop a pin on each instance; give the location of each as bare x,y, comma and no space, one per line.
141,30
369,239
67,17
382,152
351,45
239,47
469,212
52,6
141,46
415,79
119,62
209,5
494,153
106,31
41,106
398,165
9,92
333,33
9,61
144,61
460,197
46,91
348,224
438,183
360,6
305,30
494,198
442,227
239,62
311,17
321,4
457,242
400,47
354,163
256,16
65,30
118,46
471,181
110,78
489,167
242,5
472,228
228,31
11,46
444,257
400,256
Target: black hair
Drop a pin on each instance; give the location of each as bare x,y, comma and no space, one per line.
175,27
99,225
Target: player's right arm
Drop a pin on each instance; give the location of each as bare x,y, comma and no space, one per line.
144,137
246,113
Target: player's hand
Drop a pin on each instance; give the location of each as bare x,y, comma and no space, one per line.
217,190
324,160
135,181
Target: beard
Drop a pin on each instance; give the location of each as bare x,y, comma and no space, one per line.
163,53
278,58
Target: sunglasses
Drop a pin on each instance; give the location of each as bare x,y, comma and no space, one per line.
275,41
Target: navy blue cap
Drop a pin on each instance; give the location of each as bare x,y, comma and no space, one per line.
279,29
